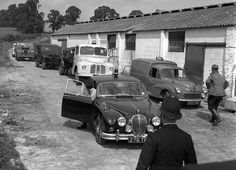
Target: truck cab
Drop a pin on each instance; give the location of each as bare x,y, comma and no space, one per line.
47,55
90,60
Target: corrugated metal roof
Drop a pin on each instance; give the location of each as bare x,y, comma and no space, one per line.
198,17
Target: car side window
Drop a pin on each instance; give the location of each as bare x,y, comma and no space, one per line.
76,88
154,73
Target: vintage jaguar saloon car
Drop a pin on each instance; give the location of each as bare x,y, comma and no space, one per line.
119,110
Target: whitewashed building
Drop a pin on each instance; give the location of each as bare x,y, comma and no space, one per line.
194,38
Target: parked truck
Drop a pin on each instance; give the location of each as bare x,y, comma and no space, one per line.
47,55
23,51
85,60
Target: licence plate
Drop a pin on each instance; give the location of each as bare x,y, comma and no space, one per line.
136,139
192,102
27,58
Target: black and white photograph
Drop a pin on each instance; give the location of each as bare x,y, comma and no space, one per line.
117,85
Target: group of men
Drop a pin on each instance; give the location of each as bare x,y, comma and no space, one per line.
169,147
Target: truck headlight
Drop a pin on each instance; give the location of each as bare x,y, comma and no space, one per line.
203,95
121,121
204,90
156,121
178,91
84,67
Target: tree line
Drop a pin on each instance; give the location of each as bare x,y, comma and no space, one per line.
27,18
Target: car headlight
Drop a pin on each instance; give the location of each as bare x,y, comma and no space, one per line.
83,67
150,128
121,121
128,128
156,121
111,68
178,91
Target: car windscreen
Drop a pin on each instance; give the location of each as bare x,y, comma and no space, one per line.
121,88
172,73
87,50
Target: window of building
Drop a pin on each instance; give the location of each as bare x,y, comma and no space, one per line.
176,41
111,41
130,40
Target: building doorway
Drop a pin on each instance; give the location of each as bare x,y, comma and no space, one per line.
199,58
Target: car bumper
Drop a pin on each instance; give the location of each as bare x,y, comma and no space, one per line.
119,136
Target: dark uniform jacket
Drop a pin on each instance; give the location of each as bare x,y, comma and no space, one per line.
216,84
166,149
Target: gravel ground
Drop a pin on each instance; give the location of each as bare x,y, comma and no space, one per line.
48,141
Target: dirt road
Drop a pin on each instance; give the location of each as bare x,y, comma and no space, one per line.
48,141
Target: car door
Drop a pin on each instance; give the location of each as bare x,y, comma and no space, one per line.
154,82
76,103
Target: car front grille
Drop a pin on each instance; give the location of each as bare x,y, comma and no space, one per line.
192,96
139,124
97,69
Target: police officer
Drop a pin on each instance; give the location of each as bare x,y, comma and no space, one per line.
216,85
169,147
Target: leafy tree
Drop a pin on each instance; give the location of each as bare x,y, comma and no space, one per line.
135,12
25,17
72,14
104,12
55,19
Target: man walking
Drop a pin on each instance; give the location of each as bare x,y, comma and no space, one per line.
216,85
168,148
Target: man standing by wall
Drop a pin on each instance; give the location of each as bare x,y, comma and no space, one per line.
216,85
168,148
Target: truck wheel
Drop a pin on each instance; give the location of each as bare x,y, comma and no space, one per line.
61,70
43,65
69,71
98,131
36,63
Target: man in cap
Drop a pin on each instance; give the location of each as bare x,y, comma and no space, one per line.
169,147
216,85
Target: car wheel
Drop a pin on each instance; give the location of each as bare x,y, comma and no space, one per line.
98,131
164,94
43,65
61,70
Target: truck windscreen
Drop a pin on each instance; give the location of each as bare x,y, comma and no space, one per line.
86,50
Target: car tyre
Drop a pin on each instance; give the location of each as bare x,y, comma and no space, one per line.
98,131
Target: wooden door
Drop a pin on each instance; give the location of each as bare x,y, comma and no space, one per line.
194,63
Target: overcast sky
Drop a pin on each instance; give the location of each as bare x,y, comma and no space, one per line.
123,7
